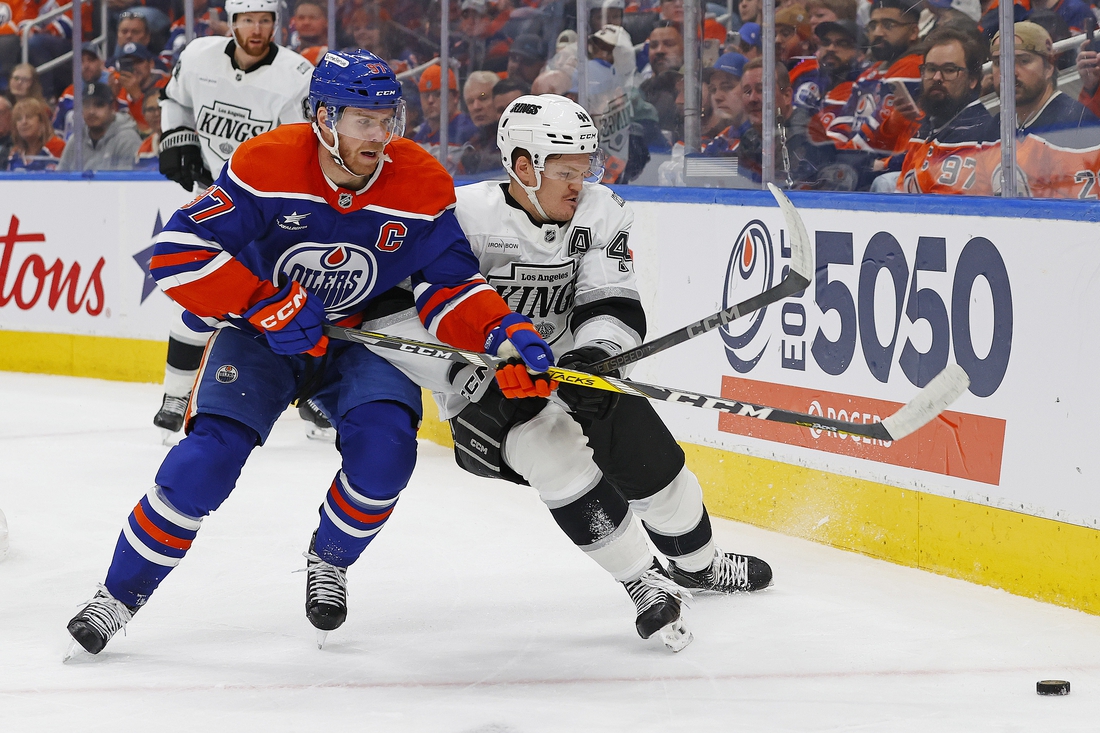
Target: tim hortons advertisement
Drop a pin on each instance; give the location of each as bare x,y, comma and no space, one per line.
74,257
894,299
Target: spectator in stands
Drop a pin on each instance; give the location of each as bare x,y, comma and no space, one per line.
672,10
552,81
1088,67
666,49
109,140
34,147
664,91
507,91
13,13
5,126
481,154
23,82
309,24
147,155
1040,107
944,13
749,43
1074,12
526,58
208,22
837,61
724,88
792,34
460,129
133,27
92,69
956,129
604,12
137,79
829,11
751,11
713,120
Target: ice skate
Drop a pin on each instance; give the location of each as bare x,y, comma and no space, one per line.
727,573
170,416
326,593
319,428
97,622
658,601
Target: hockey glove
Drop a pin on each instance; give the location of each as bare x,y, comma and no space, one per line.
517,342
594,404
181,159
291,321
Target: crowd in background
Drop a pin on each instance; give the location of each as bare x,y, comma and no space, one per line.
889,95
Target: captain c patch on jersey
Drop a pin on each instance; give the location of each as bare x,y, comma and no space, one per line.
342,275
224,126
543,293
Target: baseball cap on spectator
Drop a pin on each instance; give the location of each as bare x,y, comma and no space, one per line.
134,50
731,63
432,79
98,92
479,6
750,34
847,27
566,37
91,49
792,15
1029,37
529,46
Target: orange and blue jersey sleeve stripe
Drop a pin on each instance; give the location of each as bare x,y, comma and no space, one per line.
461,315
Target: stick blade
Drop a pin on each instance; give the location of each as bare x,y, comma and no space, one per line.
937,395
802,257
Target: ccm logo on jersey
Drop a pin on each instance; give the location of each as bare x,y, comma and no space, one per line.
211,203
391,236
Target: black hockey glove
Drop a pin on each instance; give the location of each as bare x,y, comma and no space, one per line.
594,404
181,159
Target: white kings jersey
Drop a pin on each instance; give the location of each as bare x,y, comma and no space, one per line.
575,282
226,105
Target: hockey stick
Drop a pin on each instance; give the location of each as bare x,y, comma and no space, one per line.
944,389
797,279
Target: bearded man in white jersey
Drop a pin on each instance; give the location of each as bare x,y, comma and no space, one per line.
223,91
556,248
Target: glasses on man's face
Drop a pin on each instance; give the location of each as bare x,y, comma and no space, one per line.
837,42
576,173
949,72
887,25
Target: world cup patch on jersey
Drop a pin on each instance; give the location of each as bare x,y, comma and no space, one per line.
342,275
543,293
225,126
226,374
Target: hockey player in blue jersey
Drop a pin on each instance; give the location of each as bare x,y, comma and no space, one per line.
307,224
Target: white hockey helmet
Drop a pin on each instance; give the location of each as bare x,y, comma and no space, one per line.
546,125
232,7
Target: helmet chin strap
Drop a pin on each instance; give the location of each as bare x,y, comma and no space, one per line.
530,190
334,149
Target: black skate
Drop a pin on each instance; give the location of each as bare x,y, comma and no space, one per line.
172,410
319,428
658,601
97,622
728,573
326,593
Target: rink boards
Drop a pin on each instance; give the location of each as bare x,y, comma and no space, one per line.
1001,490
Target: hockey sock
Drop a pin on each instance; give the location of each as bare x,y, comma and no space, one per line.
599,522
196,477
182,366
678,523
378,445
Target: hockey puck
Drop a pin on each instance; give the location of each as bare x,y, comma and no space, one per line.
1052,687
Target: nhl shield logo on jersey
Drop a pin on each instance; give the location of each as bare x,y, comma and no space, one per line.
342,275
226,374
344,200
751,270
225,126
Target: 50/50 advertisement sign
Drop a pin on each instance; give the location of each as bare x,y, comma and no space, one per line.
894,299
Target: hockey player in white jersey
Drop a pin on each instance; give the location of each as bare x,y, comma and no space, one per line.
556,249
223,91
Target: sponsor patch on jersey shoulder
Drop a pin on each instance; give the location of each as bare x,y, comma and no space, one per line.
617,199
304,67
227,374
498,244
334,59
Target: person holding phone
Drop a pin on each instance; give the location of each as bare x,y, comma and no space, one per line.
137,79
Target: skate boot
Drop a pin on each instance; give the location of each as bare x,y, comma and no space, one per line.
658,601
319,428
326,593
97,622
170,416
727,573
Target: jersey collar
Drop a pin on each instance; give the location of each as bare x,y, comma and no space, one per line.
511,201
265,61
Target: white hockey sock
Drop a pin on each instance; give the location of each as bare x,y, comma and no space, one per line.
674,512
178,382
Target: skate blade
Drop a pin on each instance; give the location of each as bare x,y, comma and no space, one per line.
168,437
76,653
321,636
675,636
327,435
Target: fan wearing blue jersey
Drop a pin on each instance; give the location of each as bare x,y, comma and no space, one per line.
307,225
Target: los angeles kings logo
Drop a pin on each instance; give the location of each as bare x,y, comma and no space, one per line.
225,126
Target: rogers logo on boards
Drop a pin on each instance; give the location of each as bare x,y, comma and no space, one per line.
32,279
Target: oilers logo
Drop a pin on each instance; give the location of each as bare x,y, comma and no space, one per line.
342,275
808,96
751,271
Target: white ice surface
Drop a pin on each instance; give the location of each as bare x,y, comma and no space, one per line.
470,612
